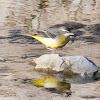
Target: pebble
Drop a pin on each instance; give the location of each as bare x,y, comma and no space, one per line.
2,59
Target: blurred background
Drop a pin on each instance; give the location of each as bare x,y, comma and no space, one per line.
41,14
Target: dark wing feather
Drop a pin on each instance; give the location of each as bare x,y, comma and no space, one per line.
46,34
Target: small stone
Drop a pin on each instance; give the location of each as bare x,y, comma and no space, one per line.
24,56
2,59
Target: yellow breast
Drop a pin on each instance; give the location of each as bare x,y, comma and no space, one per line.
61,41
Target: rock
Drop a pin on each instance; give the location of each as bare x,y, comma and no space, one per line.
76,64
97,75
2,59
50,62
81,65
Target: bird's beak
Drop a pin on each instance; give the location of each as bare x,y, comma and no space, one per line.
72,37
71,34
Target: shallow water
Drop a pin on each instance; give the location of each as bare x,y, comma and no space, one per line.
16,73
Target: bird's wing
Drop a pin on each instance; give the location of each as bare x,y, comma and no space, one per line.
50,35
46,34
53,32
41,33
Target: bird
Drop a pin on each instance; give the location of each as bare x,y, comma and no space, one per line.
54,41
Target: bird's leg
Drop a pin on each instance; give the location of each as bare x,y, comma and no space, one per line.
53,49
49,48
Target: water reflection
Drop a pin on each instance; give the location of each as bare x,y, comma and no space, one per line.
53,85
73,79
56,82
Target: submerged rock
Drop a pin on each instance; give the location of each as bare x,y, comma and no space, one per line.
74,64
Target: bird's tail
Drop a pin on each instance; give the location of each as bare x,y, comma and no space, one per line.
32,35
36,37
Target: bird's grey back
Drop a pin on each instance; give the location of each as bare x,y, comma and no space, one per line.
52,32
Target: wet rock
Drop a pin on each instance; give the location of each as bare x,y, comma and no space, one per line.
81,65
24,56
2,59
97,75
50,62
76,64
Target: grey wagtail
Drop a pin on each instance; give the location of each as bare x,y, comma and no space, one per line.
52,41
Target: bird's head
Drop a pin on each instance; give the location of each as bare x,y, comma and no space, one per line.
67,33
